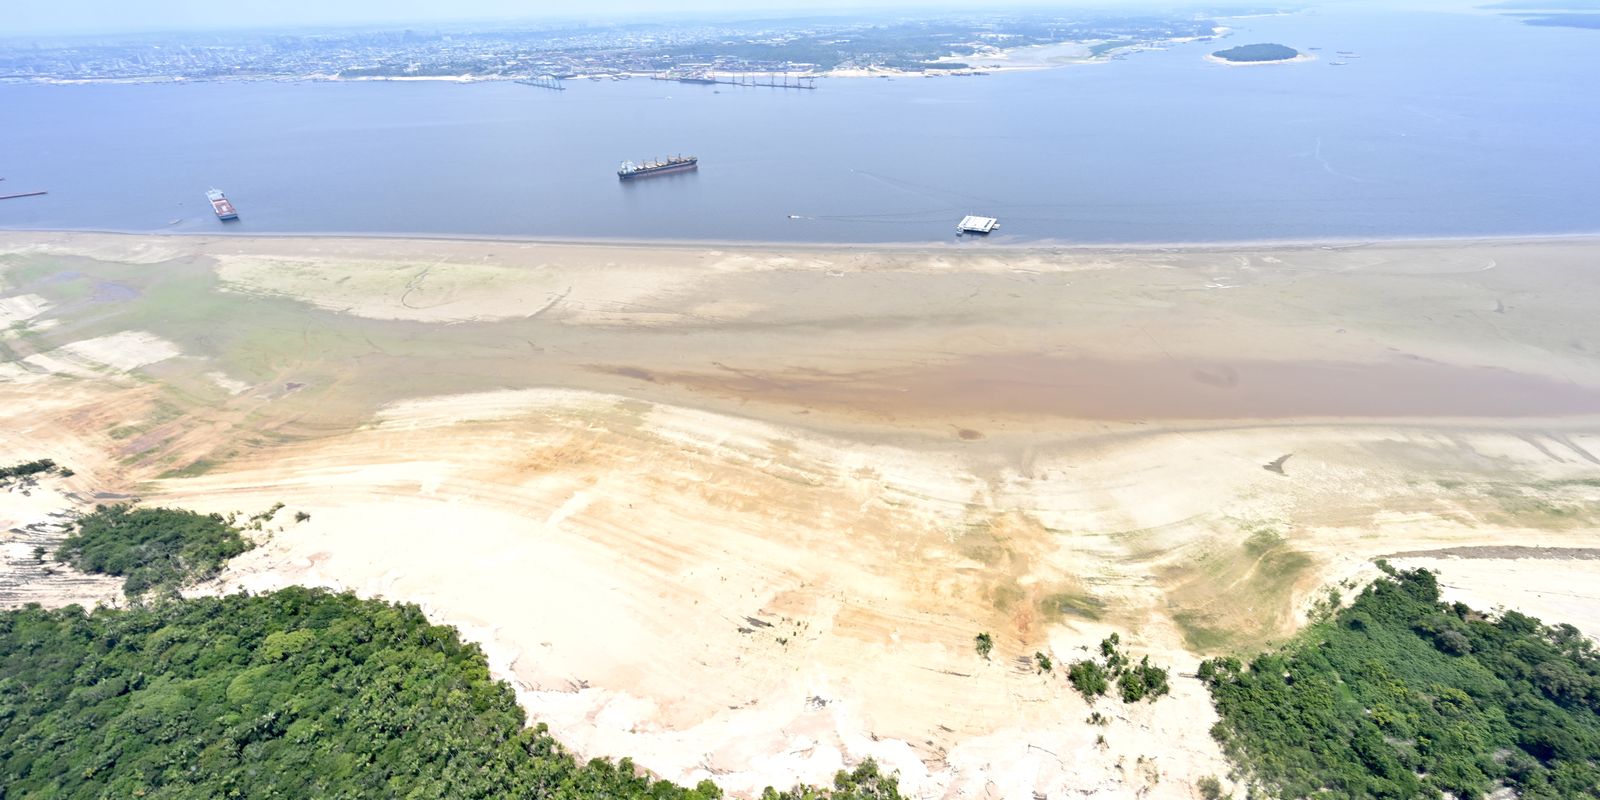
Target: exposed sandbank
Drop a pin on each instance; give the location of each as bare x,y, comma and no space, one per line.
1297,59
605,461
1002,244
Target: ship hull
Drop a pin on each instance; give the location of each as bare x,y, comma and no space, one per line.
222,206
654,171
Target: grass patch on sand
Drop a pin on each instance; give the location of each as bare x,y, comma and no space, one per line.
1237,596
1005,596
1059,605
1560,503
194,470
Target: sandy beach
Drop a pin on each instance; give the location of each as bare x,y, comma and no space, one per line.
737,512
1302,58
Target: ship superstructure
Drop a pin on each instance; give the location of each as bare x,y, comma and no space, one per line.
629,170
222,205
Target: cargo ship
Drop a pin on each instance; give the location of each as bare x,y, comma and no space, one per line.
677,164
221,205
630,170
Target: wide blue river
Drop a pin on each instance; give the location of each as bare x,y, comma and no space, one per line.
1440,125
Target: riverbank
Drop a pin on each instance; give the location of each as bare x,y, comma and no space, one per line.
1298,59
738,512
77,237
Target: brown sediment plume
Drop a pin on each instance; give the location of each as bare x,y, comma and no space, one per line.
1174,389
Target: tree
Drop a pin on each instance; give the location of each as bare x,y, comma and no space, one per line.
1399,695
296,693
1088,678
151,548
985,644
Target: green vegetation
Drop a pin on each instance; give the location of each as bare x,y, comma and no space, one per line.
1076,604
1043,661
193,469
1217,599
1142,681
922,66
918,44
1088,678
1210,788
160,548
1099,49
1257,53
1402,696
1134,683
865,782
27,469
984,643
299,693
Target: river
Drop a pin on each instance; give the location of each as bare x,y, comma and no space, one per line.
1441,124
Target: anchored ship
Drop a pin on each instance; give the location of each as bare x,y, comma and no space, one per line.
221,205
630,170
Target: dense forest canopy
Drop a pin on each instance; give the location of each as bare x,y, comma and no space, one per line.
1402,696
152,547
300,693
1257,52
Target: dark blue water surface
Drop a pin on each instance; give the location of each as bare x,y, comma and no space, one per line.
1444,125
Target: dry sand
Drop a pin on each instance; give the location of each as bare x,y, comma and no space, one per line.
739,512
36,514
1302,58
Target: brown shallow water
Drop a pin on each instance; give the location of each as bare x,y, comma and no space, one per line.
1036,385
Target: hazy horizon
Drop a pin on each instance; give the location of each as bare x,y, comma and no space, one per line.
35,17
66,17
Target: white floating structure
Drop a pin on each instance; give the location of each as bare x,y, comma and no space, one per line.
971,224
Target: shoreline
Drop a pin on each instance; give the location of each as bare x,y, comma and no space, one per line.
1036,246
1005,54
1302,58
832,463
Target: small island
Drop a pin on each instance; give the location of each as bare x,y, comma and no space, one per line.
1257,54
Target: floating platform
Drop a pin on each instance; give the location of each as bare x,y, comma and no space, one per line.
972,224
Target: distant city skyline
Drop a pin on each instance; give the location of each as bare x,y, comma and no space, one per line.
29,17
68,17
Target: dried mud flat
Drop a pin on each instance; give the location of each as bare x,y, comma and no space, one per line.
738,513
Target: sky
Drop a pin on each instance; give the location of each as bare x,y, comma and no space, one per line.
100,16
29,17
32,17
